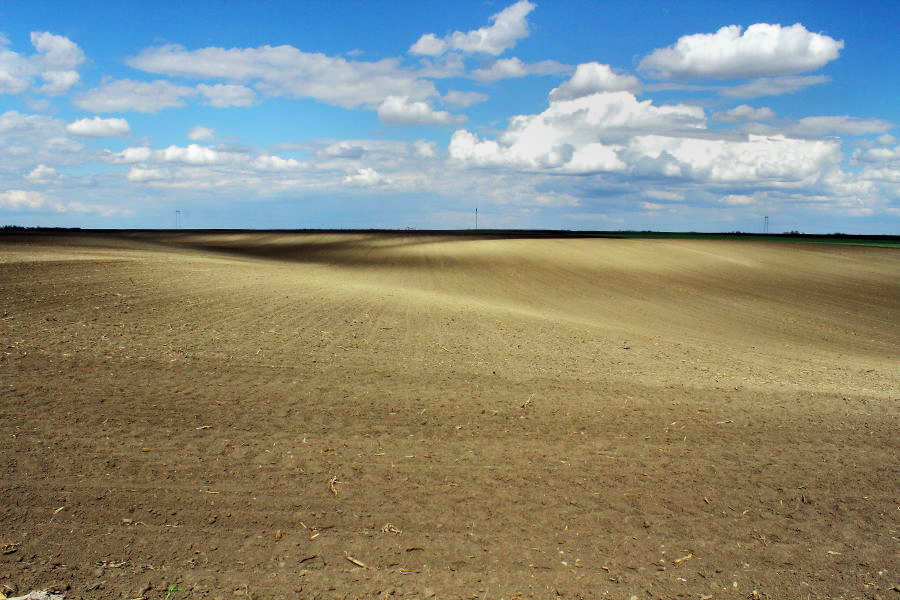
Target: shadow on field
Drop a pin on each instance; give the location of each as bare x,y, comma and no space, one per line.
359,249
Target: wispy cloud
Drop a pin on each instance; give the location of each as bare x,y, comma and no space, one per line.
285,71
773,86
508,27
400,110
124,95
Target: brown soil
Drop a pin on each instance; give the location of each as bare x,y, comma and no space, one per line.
367,416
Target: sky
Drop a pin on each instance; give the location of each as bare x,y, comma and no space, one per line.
580,115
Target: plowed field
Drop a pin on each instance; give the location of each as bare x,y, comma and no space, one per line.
269,416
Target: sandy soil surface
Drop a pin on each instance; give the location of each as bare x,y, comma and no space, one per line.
387,416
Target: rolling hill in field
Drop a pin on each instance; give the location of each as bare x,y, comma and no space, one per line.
281,415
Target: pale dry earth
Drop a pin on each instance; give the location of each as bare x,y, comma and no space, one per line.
266,415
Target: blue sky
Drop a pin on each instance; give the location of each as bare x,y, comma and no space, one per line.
704,116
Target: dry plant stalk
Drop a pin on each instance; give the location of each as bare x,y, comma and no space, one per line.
8,548
678,561
390,528
331,487
358,563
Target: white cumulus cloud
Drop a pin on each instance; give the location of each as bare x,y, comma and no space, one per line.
55,61
269,162
762,49
195,155
27,200
16,71
877,155
505,68
429,45
591,78
129,95
139,175
344,149
775,159
58,58
744,112
400,110
42,174
26,140
206,167
21,200
508,68
463,99
508,27
97,127
737,199
573,135
223,95
615,136
425,149
200,133
192,154
365,177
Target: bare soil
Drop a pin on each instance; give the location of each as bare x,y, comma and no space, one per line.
404,416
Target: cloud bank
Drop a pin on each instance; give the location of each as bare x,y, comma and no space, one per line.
599,139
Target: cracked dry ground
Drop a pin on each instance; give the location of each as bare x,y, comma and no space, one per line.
272,416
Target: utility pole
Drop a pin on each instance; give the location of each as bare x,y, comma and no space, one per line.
766,225
476,217
177,219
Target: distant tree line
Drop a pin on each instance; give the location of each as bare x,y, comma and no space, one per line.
23,228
